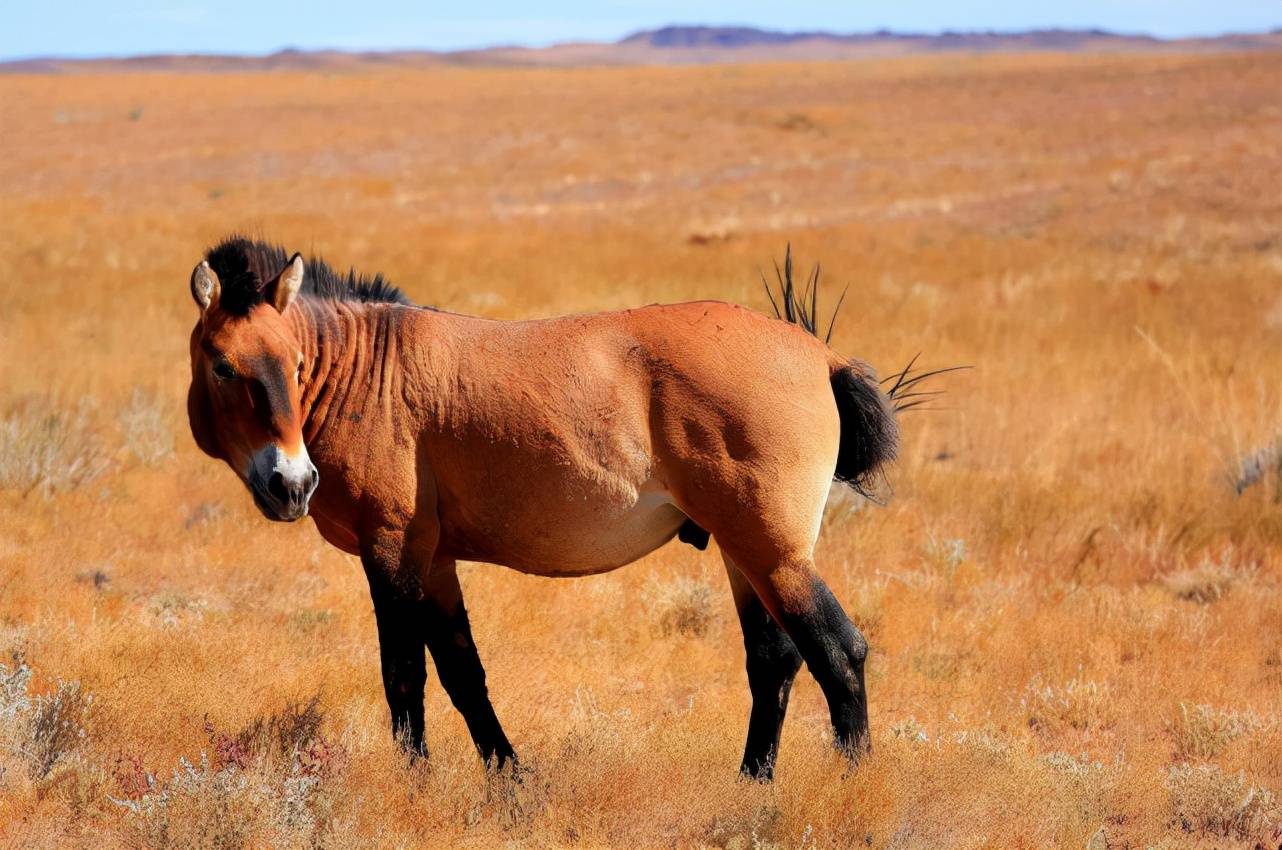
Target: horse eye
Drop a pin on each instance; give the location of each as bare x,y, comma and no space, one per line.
223,371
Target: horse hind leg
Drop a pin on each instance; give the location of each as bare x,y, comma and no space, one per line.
833,649
772,662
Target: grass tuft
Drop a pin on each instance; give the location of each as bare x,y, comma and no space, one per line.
1205,583
680,605
1204,731
145,428
48,449
1210,803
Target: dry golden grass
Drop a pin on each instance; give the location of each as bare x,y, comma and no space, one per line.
1076,623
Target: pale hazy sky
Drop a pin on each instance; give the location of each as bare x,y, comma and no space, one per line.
126,27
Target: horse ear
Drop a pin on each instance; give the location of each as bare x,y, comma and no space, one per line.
282,290
204,286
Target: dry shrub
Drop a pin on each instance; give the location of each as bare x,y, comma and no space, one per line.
710,234
513,800
680,605
145,428
1206,582
15,711
1207,801
57,726
1078,704
1082,783
45,730
274,782
15,698
1204,731
204,514
198,807
47,449
172,609
763,828
944,555
282,736
909,729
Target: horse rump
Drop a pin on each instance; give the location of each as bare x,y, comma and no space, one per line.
869,432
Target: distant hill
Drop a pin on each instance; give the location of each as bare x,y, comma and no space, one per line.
703,36
738,37
680,45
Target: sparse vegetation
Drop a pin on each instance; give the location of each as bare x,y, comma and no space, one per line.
1202,732
44,729
1073,613
1210,803
147,432
1204,583
680,605
45,448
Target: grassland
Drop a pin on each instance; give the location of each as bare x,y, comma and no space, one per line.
1075,619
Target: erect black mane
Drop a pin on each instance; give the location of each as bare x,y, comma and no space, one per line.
244,267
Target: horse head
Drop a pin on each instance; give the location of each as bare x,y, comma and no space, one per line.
244,403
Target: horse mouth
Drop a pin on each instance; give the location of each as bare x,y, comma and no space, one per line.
274,512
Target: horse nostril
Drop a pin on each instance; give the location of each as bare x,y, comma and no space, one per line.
276,486
315,478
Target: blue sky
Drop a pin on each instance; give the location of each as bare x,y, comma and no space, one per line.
125,27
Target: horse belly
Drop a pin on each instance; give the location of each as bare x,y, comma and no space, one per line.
583,539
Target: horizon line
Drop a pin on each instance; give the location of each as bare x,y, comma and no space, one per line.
818,33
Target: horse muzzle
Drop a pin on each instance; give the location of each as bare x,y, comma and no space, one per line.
282,484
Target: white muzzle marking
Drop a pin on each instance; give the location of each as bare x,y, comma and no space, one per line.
282,484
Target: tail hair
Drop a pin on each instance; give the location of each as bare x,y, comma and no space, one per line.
869,432
906,392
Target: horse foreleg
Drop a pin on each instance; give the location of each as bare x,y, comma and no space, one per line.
772,662
449,639
400,647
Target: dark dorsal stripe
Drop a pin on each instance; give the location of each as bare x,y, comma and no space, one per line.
245,266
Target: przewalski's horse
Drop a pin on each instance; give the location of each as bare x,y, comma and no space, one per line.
558,447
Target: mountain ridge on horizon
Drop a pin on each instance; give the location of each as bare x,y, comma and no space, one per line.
683,35
678,44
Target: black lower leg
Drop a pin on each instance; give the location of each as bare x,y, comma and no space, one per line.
834,650
400,646
449,638
773,662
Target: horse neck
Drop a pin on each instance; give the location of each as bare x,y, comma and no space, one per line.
351,354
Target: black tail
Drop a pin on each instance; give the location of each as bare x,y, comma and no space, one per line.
869,432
